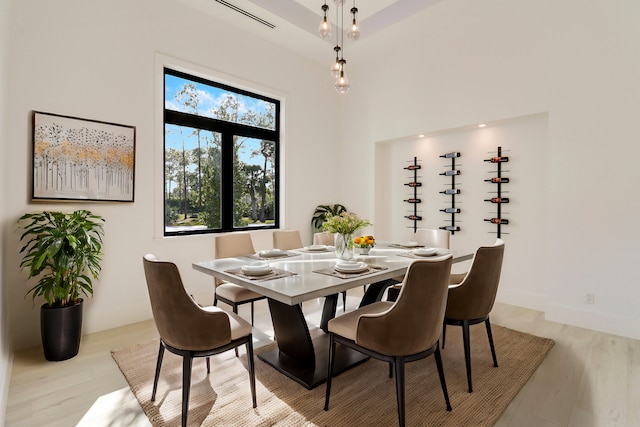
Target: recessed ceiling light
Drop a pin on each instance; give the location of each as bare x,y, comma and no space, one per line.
481,125
421,136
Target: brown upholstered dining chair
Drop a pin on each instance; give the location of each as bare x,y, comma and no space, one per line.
188,330
471,299
229,245
399,332
286,239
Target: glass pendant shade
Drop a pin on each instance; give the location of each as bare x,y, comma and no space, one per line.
342,83
354,31
325,28
338,2
335,69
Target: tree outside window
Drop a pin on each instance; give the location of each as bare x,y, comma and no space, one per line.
221,157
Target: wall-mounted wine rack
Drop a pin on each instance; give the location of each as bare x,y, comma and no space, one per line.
453,191
413,199
498,200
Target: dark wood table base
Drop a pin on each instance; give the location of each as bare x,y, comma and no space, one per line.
306,360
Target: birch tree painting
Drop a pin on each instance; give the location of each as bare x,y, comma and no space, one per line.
76,159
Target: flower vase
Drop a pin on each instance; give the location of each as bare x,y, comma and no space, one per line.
344,246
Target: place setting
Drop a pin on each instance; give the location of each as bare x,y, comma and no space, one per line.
348,269
316,249
406,245
259,272
422,252
272,254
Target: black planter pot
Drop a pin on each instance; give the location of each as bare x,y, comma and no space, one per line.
61,329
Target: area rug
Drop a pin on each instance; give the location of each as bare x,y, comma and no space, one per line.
364,395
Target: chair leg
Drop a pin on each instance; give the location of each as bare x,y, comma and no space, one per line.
208,365
158,366
332,354
467,351
251,313
186,385
490,335
399,362
235,310
443,383
252,370
215,299
390,370
444,333
344,301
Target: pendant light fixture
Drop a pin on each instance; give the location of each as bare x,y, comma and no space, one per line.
338,67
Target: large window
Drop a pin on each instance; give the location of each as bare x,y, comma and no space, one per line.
220,157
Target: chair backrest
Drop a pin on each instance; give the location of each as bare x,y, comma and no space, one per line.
286,239
179,320
433,238
414,322
234,244
473,298
324,238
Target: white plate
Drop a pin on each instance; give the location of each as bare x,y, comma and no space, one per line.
270,253
425,251
316,248
357,268
410,244
255,270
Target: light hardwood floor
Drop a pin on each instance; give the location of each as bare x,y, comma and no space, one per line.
589,379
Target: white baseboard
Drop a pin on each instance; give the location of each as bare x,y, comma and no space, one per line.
592,319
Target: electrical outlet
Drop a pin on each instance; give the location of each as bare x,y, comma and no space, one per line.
589,297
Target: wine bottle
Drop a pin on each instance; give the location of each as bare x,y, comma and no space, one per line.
497,200
450,155
413,167
450,210
497,180
450,228
451,172
413,200
414,217
497,221
497,159
451,191
414,184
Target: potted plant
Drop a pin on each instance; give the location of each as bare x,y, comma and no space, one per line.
64,251
323,212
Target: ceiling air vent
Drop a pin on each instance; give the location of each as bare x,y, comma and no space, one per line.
245,13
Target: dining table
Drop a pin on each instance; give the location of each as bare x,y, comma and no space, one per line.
295,276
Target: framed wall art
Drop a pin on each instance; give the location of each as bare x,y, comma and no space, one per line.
81,159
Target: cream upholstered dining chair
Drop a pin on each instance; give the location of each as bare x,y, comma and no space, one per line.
188,330
324,238
428,237
228,245
433,238
399,332
287,239
471,299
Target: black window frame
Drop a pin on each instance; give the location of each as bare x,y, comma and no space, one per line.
227,130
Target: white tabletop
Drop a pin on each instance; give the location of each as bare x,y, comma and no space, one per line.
307,284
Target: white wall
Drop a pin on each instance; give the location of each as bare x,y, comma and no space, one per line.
460,63
5,353
100,60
